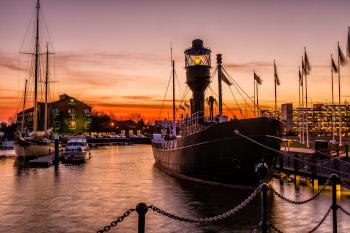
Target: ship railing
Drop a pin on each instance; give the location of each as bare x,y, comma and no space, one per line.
166,145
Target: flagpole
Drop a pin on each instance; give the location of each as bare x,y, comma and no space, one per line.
333,122
340,120
299,105
274,65
254,91
302,102
257,97
307,111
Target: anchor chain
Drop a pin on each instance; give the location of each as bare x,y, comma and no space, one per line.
209,219
299,202
321,221
343,210
115,222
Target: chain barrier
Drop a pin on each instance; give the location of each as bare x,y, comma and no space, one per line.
275,228
300,202
343,210
118,220
321,221
344,184
289,155
209,219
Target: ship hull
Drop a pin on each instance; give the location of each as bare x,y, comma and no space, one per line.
217,154
33,150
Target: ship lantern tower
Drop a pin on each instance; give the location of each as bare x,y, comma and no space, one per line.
197,65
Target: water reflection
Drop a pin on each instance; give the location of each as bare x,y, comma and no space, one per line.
84,197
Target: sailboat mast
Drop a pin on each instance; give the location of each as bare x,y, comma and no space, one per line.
36,70
24,104
219,62
46,85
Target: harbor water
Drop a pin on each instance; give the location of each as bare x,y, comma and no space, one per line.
86,197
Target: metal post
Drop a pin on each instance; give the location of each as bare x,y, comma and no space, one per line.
264,224
337,149
334,178
141,209
347,151
57,137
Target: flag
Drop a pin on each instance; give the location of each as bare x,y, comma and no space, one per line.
303,66
277,80
341,56
307,63
300,78
348,45
334,66
257,79
225,79
182,107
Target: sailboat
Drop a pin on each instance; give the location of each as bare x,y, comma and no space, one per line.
36,143
210,148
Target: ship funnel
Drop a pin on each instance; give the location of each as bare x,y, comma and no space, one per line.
197,65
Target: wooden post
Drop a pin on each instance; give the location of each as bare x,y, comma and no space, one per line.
56,160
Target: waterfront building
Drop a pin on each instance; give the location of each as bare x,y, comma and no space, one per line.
320,120
287,116
66,115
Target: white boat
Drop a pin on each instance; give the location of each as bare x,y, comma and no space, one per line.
7,144
77,150
35,143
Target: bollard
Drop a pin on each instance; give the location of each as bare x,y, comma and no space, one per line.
296,165
57,137
337,149
313,169
280,161
141,209
264,224
335,179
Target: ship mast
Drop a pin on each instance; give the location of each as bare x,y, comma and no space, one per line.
24,104
46,85
36,70
219,62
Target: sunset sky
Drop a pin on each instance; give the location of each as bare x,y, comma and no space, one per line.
115,55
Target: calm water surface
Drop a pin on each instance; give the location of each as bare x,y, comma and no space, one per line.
83,198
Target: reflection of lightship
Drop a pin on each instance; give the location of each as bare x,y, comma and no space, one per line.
208,148
36,143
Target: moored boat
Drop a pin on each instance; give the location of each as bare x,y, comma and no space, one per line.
36,143
206,147
77,150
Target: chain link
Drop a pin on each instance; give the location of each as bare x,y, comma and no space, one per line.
209,219
299,202
118,220
344,184
321,221
275,228
343,210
